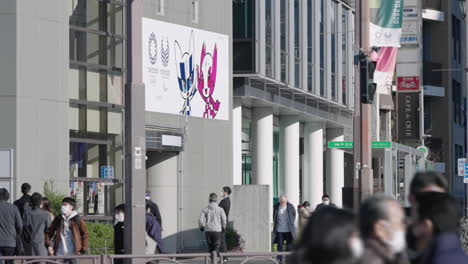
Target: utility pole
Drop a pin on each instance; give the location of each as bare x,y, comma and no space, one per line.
135,163
367,177
357,110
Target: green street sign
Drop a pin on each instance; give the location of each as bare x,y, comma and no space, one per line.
381,144
340,144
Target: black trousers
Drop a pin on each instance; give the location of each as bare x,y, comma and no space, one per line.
213,239
223,247
7,252
281,237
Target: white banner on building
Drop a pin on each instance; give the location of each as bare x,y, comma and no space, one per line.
185,70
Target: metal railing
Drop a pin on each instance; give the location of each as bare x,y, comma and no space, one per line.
238,258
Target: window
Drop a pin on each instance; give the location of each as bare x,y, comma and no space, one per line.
297,50
344,59
269,37
427,116
244,36
457,103
333,25
195,11
310,49
322,48
456,37
284,40
160,7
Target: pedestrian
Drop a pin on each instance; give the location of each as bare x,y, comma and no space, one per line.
154,242
11,225
212,221
25,200
154,208
46,207
437,225
382,224
67,235
37,226
330,237
225,204
119,217
284,229
304,214
325,202
421,182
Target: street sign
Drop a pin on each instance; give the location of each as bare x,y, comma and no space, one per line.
424,150
466,171
461,167
340,144
107,172
382,144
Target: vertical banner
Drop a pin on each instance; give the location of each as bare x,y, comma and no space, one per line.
408,116
385,22
385,68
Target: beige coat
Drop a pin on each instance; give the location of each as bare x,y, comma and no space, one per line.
304,215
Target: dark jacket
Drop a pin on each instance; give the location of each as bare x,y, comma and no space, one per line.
11,224
154,230
154,210
24,201
445,249
321,205
291,213
119,238
377,253
79,231
38,223
226,205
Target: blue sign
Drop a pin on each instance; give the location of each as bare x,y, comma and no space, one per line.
107,172
466,170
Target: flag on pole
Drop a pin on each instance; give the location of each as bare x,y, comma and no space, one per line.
385,22
386,61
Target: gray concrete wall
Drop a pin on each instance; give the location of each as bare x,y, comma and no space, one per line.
250,215
34,94
206,162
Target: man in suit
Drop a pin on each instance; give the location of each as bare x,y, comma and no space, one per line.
225,204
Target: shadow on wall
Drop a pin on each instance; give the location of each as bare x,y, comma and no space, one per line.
195,236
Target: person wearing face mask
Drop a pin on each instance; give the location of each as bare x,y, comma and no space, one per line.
330,237
304,214
325,202
225,204
119,230
67,235
382,224
436,224
154,208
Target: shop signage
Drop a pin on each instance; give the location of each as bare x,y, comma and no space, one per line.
408,83
461,167
410,12
185,70
340,144
465,179
408,116
382,144
107,172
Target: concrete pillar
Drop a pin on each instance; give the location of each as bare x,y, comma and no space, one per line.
290,160
262,149
237,144
313,163
335,168
162,177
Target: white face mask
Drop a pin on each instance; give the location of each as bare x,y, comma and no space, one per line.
147,197
119,217
326,202
357,247
66,209
398,242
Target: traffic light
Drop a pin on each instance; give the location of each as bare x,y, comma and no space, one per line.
368,87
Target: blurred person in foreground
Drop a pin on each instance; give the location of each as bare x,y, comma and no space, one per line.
11,225
421,182
436,224
382,224
331,236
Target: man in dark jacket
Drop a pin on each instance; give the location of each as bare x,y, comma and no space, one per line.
437,226
153,232
25,200
225,204
154,208
37,225
10,225
325,202
119,231
284,228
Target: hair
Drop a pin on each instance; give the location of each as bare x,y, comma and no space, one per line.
36,200
213,197
306,204
372,210
227,190
46,204
440,208
325,196
25,188
69,201
325,238
120,207
4,194
424,179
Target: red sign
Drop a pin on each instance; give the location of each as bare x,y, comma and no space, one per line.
408,83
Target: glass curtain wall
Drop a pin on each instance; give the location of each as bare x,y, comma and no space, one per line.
96,78
269,38
310,50
284,39
297,43
344,52
322,47
333,38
